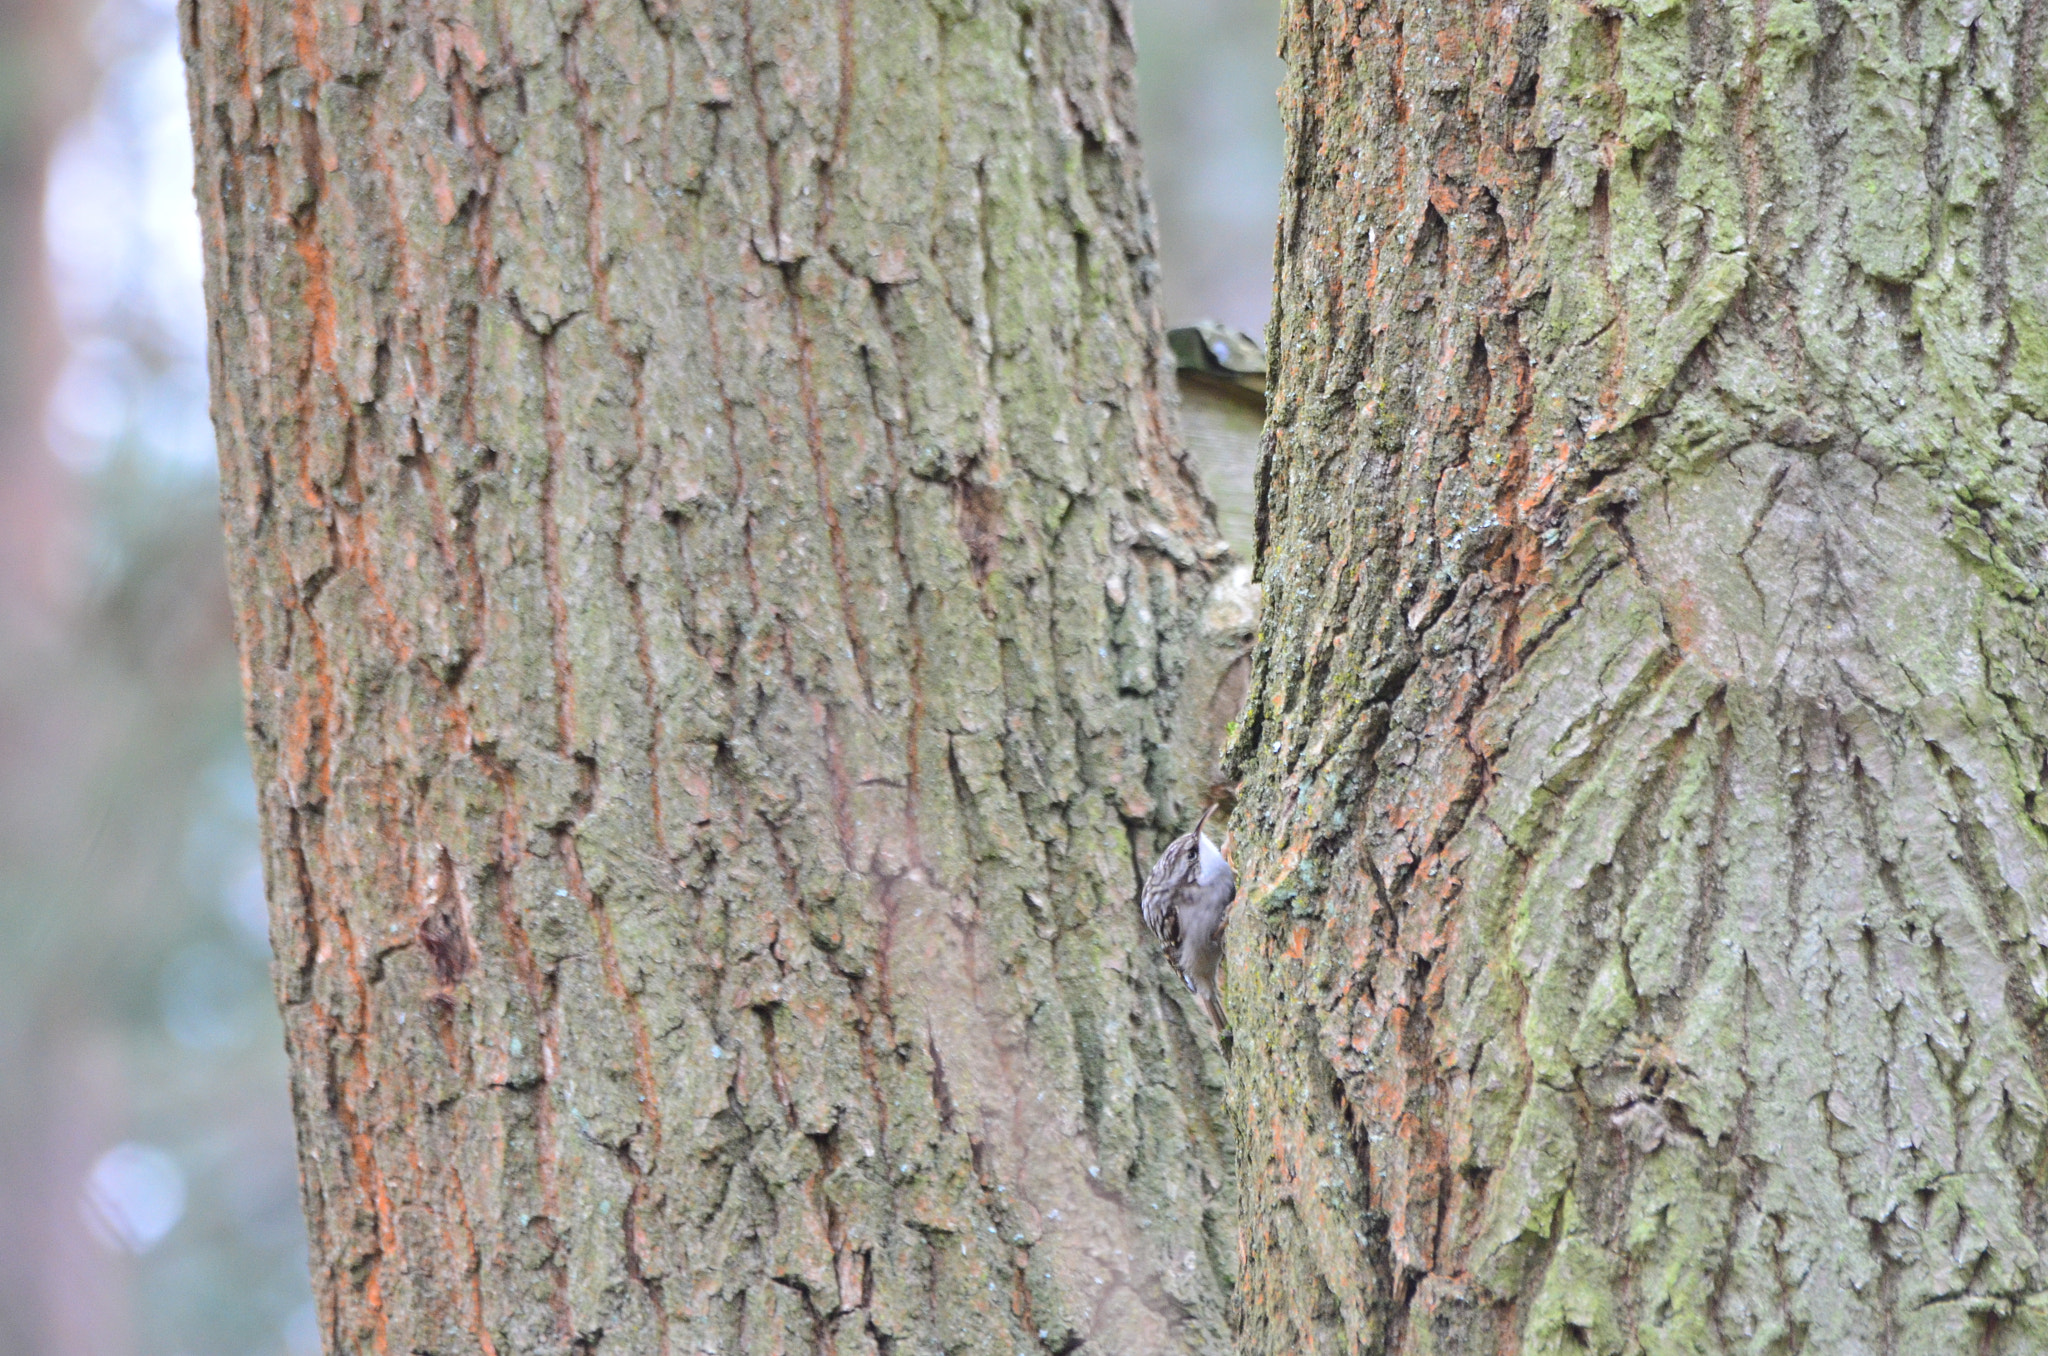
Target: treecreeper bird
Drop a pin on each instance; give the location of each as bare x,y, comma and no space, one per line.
1185,900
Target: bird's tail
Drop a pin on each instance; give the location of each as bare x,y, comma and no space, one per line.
1211,1003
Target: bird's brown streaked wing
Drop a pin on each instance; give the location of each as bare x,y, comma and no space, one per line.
1174,870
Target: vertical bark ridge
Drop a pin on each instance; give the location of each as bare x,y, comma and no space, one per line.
1642,825
715,581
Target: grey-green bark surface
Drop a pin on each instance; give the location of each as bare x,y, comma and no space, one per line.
1645,860
714,578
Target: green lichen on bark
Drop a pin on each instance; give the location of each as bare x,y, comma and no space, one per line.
716,581
1646,864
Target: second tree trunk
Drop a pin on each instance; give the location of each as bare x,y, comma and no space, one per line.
1643,946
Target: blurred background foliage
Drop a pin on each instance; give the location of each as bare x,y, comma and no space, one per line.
1208,111
147,1177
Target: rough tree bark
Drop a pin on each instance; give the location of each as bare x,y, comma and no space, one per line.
714,579
1646,874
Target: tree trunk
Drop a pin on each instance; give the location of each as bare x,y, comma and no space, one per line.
1643,941
715,577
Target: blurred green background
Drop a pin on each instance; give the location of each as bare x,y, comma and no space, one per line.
147,1180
